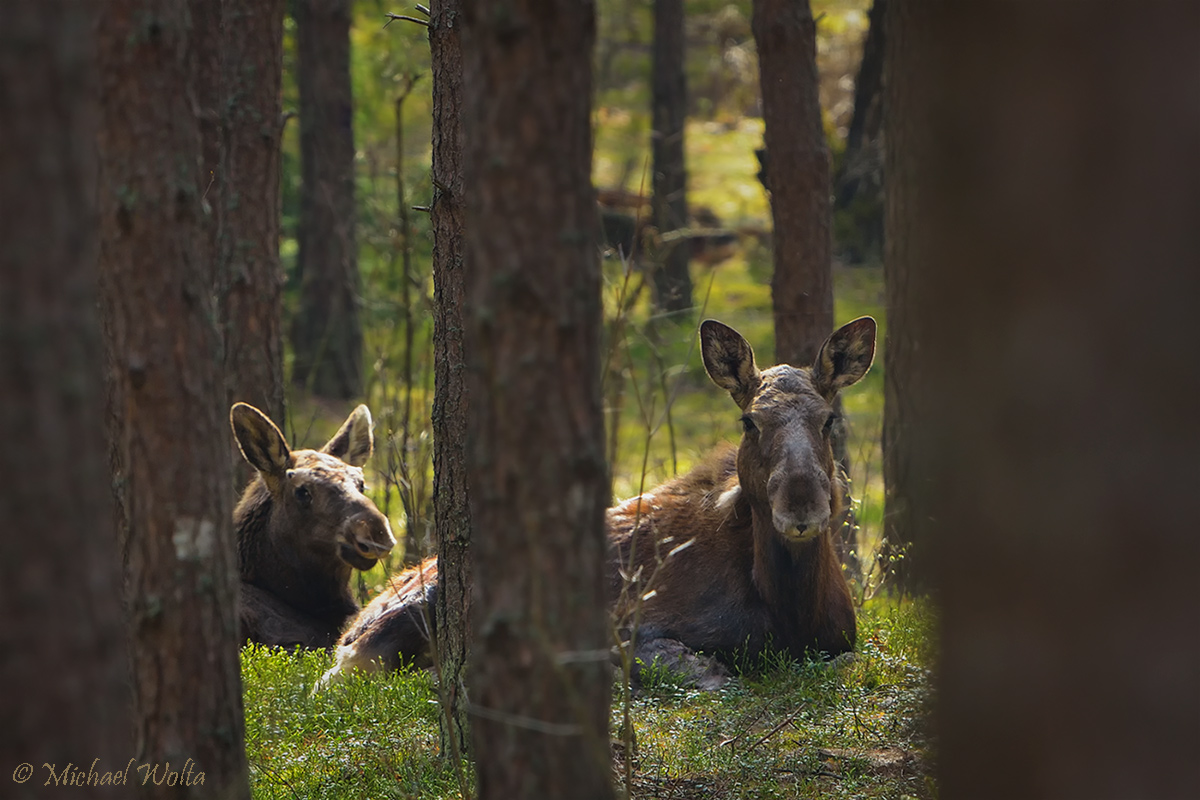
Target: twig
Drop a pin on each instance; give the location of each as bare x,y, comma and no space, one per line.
393,17
777,728
422,9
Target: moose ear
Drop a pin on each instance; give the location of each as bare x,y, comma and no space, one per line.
261,442
354,441
729,360
845,357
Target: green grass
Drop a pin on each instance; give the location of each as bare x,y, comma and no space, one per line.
373,737
852,728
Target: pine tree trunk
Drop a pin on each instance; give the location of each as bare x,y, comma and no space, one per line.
906,251
797,172
63,644
672,282
171,443
250,277
326,333
451,508
540,682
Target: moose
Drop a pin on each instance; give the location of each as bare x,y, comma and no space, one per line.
735,558
303,524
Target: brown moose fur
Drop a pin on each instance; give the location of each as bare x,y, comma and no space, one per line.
302,525
733,558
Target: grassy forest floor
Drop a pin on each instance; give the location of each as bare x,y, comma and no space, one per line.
853,728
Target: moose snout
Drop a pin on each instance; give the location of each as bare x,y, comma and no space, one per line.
370,535
799,503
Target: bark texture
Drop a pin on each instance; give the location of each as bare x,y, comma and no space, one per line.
63,644
248,200
451,508
170,438
797,171
326,332
672,282
540,680
1058,433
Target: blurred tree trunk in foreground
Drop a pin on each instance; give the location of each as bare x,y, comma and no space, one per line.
451,507
63,645
906,255
540,677
171,442
250,280
668,110
796,172
326,332
1057,429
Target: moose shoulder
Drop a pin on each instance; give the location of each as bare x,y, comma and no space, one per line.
303,524
736,556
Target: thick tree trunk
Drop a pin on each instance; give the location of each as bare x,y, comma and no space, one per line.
797,169
905,254
171,445
250,277
63,645
1058,438
326,333
451,508
540,682
672,282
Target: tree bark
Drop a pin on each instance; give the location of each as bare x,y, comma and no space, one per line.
1057,433
797,169
326,333
250,278
451,507
63,644
171,449
540,681
671,280
906,251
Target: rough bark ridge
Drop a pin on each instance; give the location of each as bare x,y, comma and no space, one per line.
672,282
540,677
326,333
1057,430
452,513
63,644
797,171
171,444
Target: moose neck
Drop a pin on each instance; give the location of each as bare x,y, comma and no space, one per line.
318,588
802,586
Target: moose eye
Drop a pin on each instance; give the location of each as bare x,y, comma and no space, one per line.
748,425
304,496
830,421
